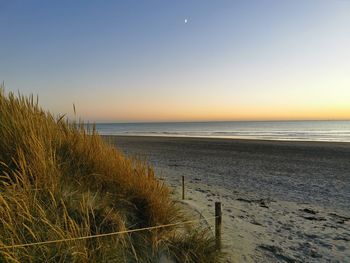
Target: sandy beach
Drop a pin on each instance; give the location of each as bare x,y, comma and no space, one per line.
282,201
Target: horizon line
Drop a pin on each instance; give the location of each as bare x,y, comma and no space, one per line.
207,121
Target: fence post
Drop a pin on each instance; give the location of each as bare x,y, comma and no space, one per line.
218,221
183,187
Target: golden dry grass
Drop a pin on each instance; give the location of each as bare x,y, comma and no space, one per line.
59,180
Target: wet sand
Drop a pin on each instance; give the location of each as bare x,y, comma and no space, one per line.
282,201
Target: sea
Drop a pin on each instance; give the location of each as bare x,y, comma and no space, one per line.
332,131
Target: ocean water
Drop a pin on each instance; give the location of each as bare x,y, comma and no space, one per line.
335,131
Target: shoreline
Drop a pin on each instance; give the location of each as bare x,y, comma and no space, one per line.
255,140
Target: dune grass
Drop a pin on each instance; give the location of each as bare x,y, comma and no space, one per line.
59,180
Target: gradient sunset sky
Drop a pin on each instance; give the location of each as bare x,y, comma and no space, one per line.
125,61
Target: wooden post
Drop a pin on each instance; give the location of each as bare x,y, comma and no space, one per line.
183,187
218,221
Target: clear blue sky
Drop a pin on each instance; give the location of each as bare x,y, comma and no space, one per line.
139,60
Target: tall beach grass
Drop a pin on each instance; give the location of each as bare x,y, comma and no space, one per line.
61,181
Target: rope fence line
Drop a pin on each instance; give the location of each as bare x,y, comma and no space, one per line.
104,235
217,217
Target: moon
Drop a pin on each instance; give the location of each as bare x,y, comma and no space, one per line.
185,20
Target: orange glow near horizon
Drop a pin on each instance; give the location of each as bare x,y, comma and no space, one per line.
322,95
238,113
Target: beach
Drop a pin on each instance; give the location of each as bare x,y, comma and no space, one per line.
282,201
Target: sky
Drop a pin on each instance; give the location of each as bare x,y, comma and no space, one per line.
131,61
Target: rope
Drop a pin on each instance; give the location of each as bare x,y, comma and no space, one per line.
103,235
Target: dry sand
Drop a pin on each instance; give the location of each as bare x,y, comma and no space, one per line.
282,201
